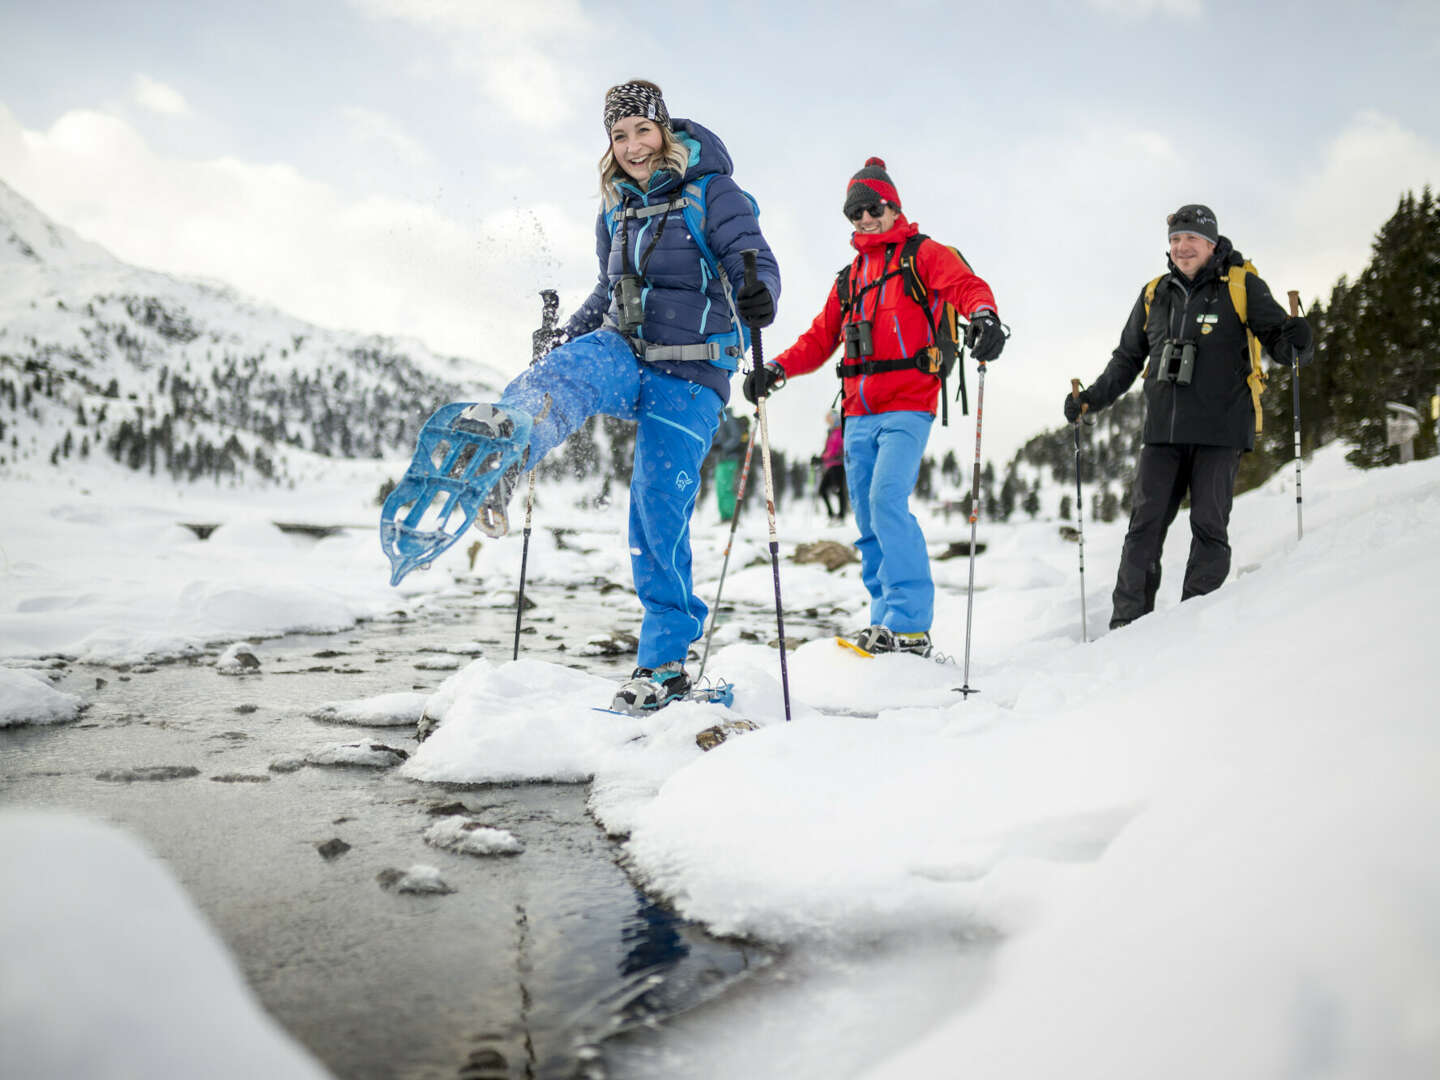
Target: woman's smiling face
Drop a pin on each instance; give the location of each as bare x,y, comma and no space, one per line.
636,143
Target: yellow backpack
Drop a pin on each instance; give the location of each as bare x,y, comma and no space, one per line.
1234,276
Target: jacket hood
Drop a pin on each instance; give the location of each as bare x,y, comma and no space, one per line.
898,233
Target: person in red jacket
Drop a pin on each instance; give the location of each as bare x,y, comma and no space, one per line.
890,394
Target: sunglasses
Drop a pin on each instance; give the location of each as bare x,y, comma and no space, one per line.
875,210
1188,217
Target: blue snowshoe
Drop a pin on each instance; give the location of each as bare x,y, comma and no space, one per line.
467,462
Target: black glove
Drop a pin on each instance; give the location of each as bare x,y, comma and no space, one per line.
542,342
755,305
763,381
985,337
1294,342
1074,406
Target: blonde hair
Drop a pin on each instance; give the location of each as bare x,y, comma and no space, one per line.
676,155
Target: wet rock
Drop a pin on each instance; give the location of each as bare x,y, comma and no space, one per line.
148,772
240,778
960,549
287,764
420,880
1070,533
439,663
749,635
365,753
615,643
100,684
246,710
466,837
425,726
447,809
238,659
828,553
328,654
712,737
332,848
143,669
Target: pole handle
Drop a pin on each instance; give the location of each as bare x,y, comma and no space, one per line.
757,350
1075,393
1294,302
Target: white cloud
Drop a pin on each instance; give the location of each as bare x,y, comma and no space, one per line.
372,264
519,54
368,127
1139,9
1339,206
160,98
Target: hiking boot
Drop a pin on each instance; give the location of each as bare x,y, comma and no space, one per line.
496,425
914,644
649,689
875,639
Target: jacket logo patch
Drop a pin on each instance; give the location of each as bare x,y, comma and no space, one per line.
682,480
1207,319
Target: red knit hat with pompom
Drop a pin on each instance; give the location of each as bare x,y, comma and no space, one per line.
870,185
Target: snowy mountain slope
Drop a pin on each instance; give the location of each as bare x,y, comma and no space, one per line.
161,373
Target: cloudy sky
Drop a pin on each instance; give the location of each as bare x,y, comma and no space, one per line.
423,167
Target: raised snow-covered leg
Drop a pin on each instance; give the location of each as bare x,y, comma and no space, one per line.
467,460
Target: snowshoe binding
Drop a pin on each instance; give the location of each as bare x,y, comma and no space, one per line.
875,640
468,459
649,689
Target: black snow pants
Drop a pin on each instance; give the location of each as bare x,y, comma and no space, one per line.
1163,476
833,482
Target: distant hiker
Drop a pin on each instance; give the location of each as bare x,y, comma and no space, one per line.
1202,409
655,342
729,444
890,390
832,468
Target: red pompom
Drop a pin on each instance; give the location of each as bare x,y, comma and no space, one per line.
879,162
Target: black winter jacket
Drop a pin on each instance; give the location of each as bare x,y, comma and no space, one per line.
1216,409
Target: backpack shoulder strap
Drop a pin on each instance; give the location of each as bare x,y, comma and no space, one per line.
1235,278
1150,294
914,285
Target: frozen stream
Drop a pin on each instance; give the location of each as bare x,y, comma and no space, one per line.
523,971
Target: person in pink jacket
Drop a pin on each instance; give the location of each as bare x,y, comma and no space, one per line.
832,468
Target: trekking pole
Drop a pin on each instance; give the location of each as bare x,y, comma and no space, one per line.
725,566
966,690
1080,508
1295,384
758,353
539,346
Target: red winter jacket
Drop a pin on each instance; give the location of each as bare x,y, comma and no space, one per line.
899,327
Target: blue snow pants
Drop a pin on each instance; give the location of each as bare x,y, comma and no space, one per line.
882,463
599,373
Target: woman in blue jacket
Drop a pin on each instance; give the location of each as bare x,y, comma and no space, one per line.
655,342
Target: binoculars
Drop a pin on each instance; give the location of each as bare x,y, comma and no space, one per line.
629,302
1177,362
858,339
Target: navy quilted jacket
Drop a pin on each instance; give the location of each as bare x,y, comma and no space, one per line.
684,302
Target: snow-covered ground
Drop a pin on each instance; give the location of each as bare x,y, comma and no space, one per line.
1205,843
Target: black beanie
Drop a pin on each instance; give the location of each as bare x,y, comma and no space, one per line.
1197,219
871,185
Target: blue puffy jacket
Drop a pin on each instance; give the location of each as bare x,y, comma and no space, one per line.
684,302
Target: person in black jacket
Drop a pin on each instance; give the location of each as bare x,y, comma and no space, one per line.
1200,415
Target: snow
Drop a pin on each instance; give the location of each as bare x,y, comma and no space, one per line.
467,837
1198,846
401,709
110,971
28,699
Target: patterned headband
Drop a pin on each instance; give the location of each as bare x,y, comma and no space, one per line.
635,99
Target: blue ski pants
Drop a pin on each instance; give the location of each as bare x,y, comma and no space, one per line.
676,421
882,463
